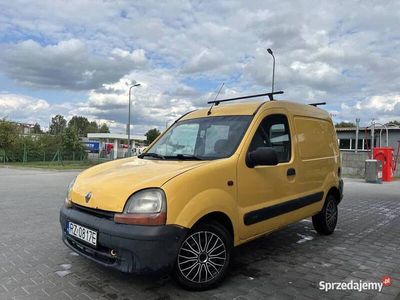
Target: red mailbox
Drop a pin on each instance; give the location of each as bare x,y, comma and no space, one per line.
385,155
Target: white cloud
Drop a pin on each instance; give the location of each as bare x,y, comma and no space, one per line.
182,51
385,103
206,60
315,70
9,103
66,65
382,108
138,56
22,108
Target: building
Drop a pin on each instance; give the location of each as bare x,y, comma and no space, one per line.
114,145
347,138
354,163
23,128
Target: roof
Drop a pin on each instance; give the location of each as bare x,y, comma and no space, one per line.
117,136
347,129
225,109
250,108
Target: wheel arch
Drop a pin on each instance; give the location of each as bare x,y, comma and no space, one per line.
334,191
216,204
219,217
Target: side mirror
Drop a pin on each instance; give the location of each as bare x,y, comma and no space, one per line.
262,156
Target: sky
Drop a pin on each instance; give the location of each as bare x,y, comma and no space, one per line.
80,57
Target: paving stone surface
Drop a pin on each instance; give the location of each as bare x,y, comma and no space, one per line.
288,264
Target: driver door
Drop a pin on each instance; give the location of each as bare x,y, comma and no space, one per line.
263,188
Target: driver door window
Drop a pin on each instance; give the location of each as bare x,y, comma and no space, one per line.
274,132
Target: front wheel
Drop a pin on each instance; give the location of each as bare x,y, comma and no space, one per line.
204,257
325,221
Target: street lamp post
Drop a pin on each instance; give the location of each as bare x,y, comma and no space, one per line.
357,130
129,119
273,68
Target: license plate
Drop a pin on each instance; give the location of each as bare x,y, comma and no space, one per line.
85,234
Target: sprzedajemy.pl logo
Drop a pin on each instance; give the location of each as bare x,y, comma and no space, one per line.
355,285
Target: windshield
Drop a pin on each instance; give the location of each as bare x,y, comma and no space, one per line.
202,138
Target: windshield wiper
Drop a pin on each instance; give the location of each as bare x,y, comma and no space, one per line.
151,154
185,156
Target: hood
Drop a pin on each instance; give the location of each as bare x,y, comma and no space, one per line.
111,184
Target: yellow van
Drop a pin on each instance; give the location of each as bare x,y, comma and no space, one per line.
217,178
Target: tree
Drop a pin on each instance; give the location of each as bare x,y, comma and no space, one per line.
47,143
36,129
345,124
9,134
70,141
92,128
151,135
104,128
80,125
394,122
58,125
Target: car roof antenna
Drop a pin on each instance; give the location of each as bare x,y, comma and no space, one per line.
215,102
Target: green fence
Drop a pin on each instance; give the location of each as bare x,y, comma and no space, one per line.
26,155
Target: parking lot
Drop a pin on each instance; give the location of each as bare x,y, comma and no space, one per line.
288,264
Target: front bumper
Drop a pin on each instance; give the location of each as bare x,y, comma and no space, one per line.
140,249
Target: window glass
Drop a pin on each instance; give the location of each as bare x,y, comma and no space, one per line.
344,144
205,138
367,144
273,132
182,140
359,145
213,134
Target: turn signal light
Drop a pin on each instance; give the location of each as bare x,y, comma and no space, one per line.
141,219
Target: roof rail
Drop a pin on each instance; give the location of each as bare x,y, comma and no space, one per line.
270,95
317,103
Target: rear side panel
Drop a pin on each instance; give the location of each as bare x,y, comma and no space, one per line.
319,157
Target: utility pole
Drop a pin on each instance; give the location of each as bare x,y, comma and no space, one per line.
357,128
372,135
129,120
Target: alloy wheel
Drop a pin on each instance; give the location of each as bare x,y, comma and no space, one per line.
331,214
202,256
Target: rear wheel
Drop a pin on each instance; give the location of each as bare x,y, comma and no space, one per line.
204,257
325,221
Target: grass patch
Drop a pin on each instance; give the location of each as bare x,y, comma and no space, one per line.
65,165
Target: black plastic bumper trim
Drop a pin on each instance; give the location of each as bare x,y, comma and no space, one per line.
341,189
269,212
140,249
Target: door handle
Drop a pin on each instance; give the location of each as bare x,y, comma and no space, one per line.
291,172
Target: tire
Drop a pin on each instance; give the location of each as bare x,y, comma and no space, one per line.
325,221
204,257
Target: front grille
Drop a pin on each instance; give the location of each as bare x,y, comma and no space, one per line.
94,212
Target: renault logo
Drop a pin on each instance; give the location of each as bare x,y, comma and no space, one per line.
88,196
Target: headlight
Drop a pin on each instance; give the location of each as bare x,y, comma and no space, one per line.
146,201
146,207
67,201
